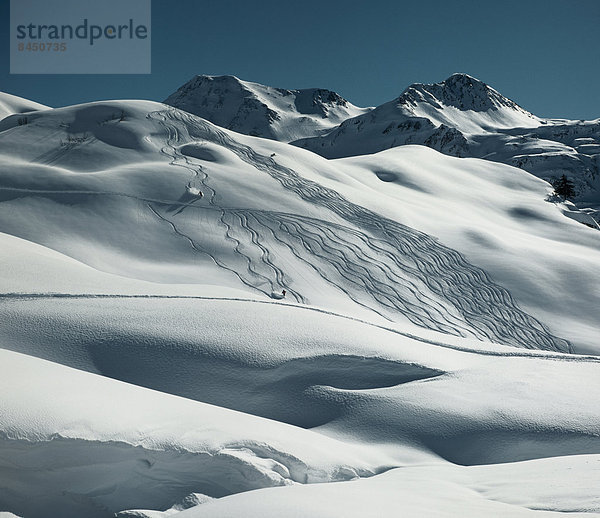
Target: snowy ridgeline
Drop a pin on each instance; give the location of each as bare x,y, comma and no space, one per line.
421,358
263,111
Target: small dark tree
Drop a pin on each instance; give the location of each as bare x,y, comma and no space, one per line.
564,187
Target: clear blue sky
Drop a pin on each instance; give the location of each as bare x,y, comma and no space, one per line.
543,54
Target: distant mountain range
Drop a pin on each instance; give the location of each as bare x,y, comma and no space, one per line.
460,116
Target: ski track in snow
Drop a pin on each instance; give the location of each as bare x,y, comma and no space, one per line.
377,263
410,263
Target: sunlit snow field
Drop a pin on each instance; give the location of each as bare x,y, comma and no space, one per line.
435,354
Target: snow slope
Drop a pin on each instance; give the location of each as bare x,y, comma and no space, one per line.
430,491
515,490
284,370
11,104
499,219
263,111
107,181
94,446
382,400
261,226
422,356
464,117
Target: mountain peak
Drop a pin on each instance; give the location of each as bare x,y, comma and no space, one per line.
260,110
205,81
445,116
460,91
461,77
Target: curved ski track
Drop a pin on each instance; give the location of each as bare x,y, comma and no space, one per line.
378,263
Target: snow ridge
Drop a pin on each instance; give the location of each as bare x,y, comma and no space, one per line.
11,104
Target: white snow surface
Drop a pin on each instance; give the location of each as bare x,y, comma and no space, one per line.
11,104
435,353
113,182
448,491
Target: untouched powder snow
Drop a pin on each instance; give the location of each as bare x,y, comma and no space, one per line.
445,492
284,370
435,353
94,445
118,446
407,401
11,104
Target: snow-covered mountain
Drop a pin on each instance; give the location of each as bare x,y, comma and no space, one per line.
263,111
460,116
442,116
464,117
436,350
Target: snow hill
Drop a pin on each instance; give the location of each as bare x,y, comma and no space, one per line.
112,180
11,104
263,111
437,349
